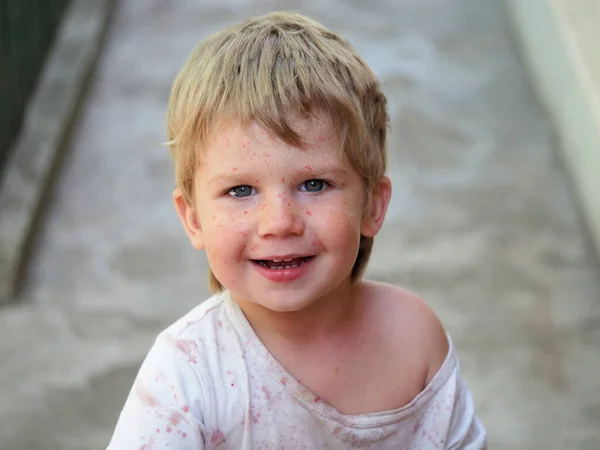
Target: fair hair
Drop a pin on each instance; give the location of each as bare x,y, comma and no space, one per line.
271,69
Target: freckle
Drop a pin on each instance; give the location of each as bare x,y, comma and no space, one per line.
245,212
336,370
234,169
308,167
283,180
308,213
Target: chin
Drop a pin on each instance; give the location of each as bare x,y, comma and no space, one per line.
287,306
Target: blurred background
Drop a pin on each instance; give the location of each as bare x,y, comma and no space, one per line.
494,157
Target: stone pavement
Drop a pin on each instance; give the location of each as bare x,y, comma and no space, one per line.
482,224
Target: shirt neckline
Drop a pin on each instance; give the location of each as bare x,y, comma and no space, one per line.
311,401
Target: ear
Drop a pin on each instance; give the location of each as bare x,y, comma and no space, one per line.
380,198
189,220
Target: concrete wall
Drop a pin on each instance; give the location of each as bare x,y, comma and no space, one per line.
560,41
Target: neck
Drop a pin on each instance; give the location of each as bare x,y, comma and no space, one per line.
329,316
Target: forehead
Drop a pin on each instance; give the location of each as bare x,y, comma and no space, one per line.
234,139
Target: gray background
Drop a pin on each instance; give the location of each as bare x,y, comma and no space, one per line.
482,224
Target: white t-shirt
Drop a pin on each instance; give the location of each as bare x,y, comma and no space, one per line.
209,383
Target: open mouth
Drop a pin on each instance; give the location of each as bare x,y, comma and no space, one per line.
280,264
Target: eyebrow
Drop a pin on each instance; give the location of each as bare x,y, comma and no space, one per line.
228,178
330,171
241,178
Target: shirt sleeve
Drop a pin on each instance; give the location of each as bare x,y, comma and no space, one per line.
164,406
466,430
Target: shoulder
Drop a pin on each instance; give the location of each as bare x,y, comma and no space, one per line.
207,312
179,363
171,388
411,323
183,347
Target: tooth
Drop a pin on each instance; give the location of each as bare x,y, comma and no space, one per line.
288,260
276,260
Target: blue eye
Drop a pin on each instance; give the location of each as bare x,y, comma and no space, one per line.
313,186
241,191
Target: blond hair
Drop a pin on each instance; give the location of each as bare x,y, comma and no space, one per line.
271,69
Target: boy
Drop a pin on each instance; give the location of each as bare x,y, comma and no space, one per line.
278,132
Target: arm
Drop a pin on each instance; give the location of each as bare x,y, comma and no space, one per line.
466,431
163,408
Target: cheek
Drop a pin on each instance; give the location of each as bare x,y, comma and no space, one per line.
226,234
338,224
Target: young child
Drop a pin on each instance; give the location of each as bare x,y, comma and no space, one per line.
278,132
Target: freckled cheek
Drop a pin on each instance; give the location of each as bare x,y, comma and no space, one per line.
337,227
238,224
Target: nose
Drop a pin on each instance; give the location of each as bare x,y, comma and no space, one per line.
279,217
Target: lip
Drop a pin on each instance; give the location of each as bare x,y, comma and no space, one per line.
284,275
282,257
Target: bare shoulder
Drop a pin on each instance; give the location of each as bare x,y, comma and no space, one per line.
410,323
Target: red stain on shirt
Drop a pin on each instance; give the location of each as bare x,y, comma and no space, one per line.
266,392
284,380
145,396
317,399
187,348
217,437
148,445
175,418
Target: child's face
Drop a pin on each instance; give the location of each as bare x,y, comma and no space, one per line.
280,225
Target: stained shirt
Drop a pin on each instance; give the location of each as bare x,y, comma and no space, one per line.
208,382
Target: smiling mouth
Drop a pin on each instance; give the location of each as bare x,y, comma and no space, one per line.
282,263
